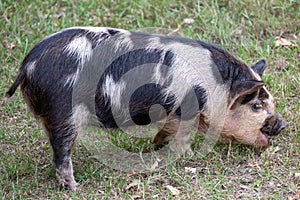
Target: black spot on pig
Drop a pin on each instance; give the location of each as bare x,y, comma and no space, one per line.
145,97
229,68
112,32
150,94
136,58
249,97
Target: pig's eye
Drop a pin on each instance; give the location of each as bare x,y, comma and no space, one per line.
256,107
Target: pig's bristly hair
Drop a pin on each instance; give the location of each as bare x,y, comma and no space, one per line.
229,67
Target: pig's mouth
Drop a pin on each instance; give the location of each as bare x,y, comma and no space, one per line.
263,138
274,129
271,130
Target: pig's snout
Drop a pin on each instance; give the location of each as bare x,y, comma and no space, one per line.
274,126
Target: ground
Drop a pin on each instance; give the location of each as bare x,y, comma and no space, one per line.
250,30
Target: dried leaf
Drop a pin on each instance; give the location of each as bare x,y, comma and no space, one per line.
173,190
284,42
188,21
245,187
131,185
254,164
11,46
190,170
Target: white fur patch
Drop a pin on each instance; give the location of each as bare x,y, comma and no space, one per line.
71,79
114,91
30,68
121,41
82,48
158,77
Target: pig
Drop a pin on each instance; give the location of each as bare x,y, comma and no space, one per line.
112,78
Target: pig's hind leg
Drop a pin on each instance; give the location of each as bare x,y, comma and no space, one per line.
62,137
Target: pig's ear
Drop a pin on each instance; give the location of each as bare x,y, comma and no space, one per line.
260,67
242,88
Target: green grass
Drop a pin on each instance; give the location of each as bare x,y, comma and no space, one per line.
248,29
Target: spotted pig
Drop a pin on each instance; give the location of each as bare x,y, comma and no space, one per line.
112,78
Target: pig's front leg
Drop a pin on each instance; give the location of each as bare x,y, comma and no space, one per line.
177,133
181,143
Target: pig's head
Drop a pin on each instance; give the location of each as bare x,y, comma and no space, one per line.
251,116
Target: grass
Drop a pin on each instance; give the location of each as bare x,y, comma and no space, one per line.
248,29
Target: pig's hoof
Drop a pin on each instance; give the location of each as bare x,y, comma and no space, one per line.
68,184
182,150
